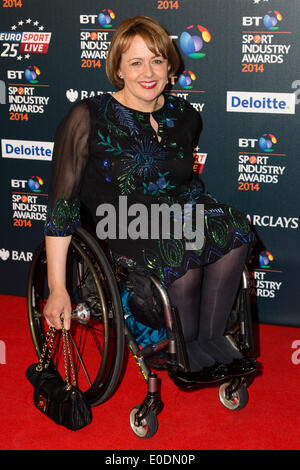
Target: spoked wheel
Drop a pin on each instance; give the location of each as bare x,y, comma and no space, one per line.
97,328
148,425
233,399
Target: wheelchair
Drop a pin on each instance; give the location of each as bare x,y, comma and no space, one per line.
99,332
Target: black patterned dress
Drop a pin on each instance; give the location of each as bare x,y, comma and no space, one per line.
107,153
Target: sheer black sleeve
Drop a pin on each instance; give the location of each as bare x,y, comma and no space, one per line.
70,155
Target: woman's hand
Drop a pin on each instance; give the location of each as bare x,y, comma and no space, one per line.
58,304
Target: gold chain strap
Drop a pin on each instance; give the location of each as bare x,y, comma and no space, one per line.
48,347
66,345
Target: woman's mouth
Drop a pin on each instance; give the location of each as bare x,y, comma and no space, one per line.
148,85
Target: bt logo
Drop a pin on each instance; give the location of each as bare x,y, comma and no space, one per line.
270,20
264,259
31,74
104,18
34,183
266,142
186,78
191,44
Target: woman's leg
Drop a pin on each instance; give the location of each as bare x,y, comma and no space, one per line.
204,298
184,294
219,287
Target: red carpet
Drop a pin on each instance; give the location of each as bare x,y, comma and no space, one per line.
194,420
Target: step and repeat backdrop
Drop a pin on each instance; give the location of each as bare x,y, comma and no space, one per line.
241,71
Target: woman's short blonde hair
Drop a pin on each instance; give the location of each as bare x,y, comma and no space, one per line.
154,35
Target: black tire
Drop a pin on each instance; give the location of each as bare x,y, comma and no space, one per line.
98,345
238,399
148,426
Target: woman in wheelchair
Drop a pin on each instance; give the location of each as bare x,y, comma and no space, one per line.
138,143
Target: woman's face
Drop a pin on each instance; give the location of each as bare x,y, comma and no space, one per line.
145,74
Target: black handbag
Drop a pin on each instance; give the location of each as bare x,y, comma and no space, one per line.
145,303
59,399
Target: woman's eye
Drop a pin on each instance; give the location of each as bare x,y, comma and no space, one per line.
135,63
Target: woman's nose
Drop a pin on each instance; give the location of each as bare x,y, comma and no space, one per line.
148,71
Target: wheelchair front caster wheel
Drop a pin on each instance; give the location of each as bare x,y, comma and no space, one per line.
233,400
148,424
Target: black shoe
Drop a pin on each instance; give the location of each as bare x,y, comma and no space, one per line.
241,367
207,375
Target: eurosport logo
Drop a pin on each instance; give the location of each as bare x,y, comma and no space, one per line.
199,161
27,149
260,102
21,44
192,43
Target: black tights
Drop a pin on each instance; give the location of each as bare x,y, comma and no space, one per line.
204,298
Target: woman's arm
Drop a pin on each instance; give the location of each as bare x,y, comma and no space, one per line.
58,301
70,156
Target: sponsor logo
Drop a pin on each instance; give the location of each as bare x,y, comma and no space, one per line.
105,18
22,99
35,183
264,284
272,19
186,79
31,74
260,102
199,161
265,258
16,255
28,201
25,100
266,142
21,44
95,42
272,221
257,162
27,149
73,95
191,43
263,47
186,82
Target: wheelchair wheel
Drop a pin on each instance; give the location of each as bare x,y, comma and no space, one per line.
233,401
148,426
97,328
